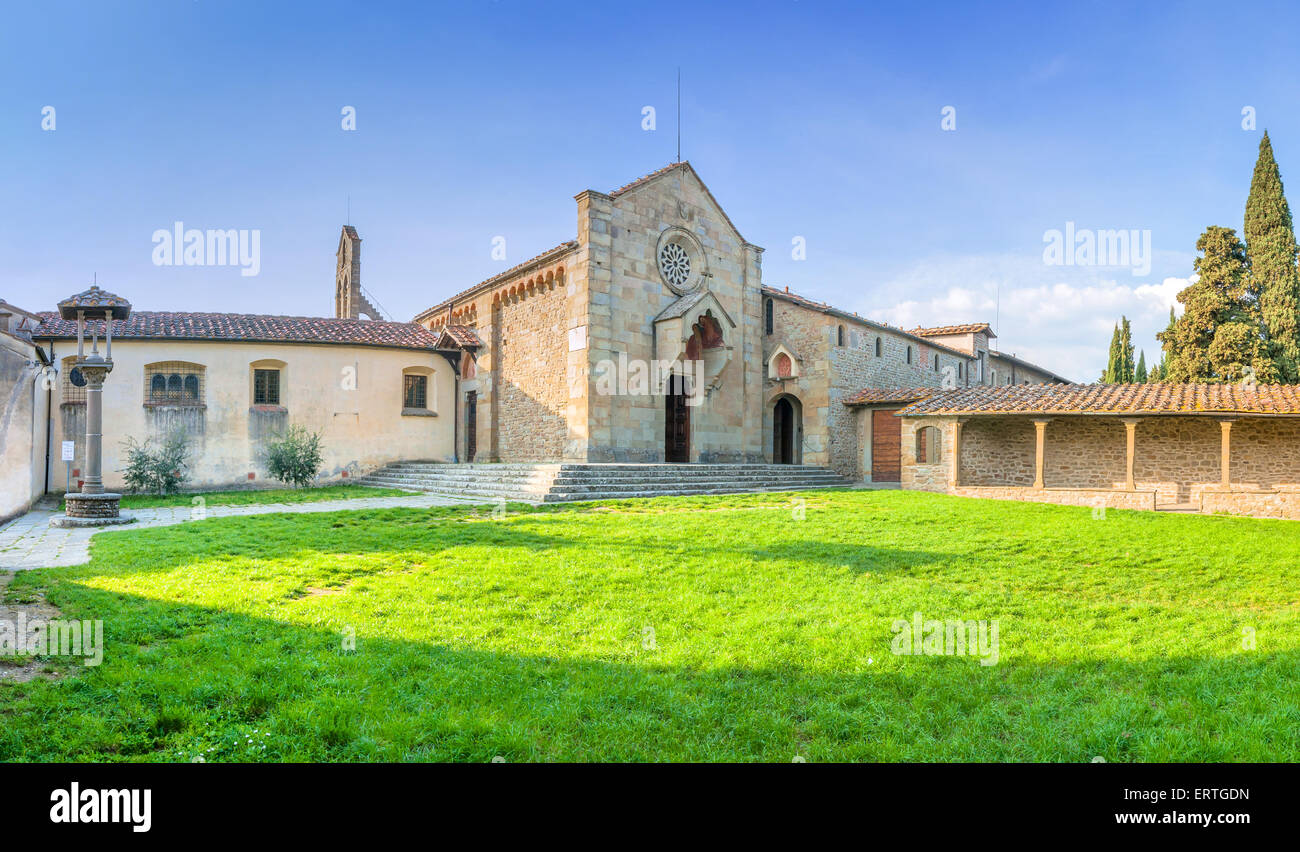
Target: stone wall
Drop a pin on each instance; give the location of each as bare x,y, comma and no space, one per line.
626,294
530,346
1176,460
1177,456
833,435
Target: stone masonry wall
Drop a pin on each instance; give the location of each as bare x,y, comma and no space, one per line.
833,435
531,346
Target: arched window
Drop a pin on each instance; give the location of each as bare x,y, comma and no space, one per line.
173,383
909,354
928,445
839,336
878,347
767,317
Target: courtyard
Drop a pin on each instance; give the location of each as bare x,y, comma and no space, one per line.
753,628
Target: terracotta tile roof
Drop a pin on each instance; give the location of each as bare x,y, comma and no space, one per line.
461,335
834,311
871,396
171,325
95,300
967,328
1113,399
536,260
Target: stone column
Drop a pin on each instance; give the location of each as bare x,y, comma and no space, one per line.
954,471
1225,453
93,482
1040,433
1130,426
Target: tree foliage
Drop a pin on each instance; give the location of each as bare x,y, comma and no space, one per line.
1271,249
295,457
160,467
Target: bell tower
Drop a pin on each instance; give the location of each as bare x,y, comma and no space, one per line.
349,301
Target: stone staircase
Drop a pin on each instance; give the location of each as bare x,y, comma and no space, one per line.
552,483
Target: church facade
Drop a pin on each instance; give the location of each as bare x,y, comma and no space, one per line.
651,337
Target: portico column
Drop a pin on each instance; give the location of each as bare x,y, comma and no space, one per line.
954,471
1225,453
1130,426
1040,434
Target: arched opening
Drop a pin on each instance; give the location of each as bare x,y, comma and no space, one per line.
928,445
787,431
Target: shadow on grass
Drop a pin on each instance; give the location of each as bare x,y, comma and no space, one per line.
182,680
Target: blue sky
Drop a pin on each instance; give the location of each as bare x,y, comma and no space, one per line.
806,119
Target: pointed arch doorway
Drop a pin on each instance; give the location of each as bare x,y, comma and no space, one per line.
787,431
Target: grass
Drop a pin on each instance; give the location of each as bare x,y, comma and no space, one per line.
727,628
250,496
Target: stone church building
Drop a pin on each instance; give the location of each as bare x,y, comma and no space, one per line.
661,283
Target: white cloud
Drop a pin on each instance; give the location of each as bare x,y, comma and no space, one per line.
1065,325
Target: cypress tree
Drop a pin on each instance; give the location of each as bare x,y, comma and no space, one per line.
1112,360
1140,375
1271,248
1125,372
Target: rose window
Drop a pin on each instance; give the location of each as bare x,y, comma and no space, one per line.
674,264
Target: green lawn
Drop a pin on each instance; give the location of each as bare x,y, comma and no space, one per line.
529,637
249,497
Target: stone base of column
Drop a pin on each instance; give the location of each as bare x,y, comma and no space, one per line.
91,510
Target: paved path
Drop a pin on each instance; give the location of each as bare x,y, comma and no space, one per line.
30,542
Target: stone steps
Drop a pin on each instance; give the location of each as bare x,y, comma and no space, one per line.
565,481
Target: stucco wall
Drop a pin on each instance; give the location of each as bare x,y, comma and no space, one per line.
22,429
362,428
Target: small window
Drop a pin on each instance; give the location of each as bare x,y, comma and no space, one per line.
878,347
416,391
909,354
934,362
959,369
839,336
927,445
266,387
767,317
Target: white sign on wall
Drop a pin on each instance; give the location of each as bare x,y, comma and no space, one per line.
578,338
69,450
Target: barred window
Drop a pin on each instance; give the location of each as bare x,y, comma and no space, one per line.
73,387
416,391
174,383
266,387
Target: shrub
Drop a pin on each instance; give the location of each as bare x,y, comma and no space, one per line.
161,467
295,457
